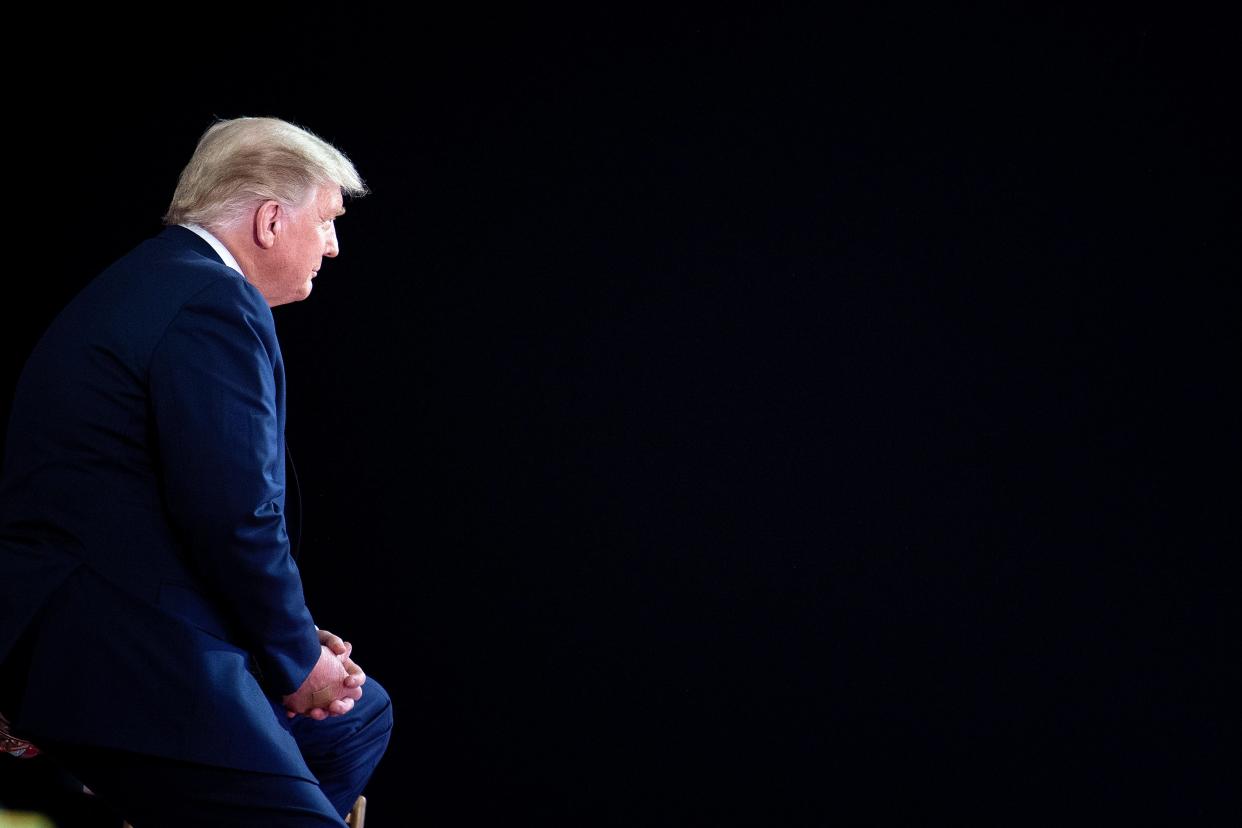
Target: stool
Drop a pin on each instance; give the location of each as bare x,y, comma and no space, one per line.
357,814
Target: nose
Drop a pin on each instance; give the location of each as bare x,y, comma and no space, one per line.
333,248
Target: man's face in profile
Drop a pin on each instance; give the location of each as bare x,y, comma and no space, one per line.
306,234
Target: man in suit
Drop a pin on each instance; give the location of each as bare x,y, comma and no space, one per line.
154,638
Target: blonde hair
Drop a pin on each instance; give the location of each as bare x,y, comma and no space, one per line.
243,162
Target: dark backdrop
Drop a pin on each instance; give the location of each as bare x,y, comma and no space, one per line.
735,419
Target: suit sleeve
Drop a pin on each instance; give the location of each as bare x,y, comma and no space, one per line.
214,400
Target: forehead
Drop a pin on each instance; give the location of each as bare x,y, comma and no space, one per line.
328,201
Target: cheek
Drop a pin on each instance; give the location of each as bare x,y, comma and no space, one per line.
311,246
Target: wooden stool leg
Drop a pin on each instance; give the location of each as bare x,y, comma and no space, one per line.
357,814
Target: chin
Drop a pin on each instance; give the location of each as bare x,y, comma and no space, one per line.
292,297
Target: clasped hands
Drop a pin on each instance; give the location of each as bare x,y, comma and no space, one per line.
333,685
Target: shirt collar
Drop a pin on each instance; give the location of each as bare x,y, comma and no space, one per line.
217,246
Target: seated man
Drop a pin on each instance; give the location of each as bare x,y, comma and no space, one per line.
154,638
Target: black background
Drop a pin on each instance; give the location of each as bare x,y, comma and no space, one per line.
735,419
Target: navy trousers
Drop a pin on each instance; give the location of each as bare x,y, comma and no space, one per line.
341,752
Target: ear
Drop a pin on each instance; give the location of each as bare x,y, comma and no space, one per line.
269,222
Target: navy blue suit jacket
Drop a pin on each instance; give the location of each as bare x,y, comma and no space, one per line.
142,518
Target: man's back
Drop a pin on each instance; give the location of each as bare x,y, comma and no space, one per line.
90,487
81,476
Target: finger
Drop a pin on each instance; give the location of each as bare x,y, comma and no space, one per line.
289,714
341,706
332,641
356,677
317,713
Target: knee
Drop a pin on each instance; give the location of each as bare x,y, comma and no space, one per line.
376,732
379,705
